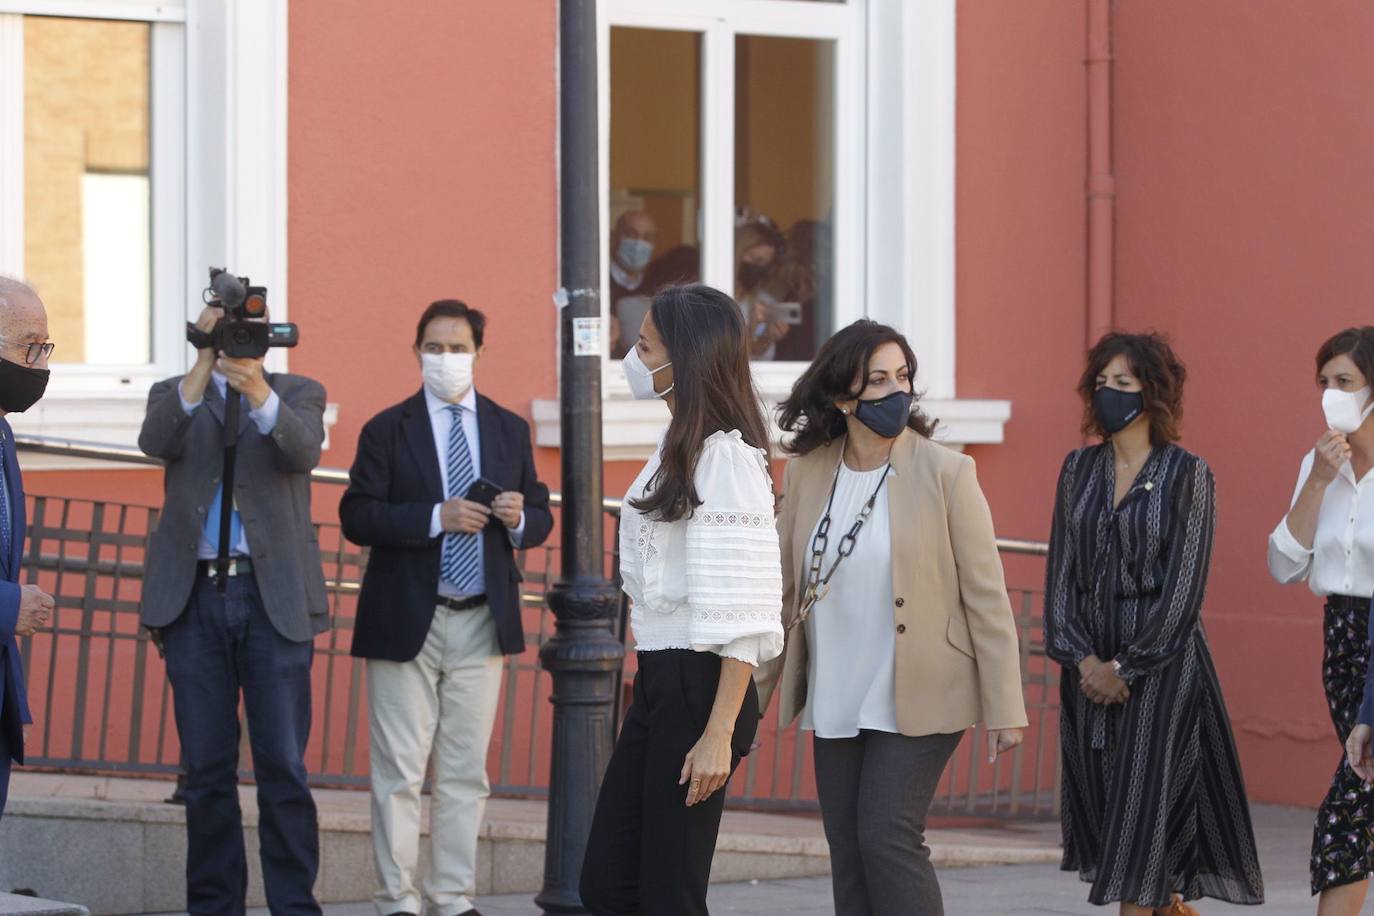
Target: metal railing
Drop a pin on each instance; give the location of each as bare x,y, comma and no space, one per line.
103,704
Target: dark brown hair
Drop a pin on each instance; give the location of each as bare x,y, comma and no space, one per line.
810,414
1161,375
713,391
452,308
1356,343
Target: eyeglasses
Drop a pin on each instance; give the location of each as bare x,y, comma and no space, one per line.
35,351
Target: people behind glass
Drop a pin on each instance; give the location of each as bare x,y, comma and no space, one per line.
632,249
1327,539
804,276
759,247
782,282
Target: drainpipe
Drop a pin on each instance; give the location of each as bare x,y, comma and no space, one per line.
1101,181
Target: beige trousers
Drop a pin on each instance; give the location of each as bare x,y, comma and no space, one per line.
444,700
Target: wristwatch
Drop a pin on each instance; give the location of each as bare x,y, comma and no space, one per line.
1116,667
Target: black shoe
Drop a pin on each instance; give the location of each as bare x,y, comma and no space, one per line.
471,912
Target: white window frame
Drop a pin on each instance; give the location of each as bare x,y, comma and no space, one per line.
895,173
218,158
719,22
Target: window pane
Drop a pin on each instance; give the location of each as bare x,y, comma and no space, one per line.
655,184
87,227
784,192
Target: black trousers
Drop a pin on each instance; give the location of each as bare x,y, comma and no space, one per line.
648,852
221,646
875,790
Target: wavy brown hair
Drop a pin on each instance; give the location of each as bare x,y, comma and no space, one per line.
1356,343
713,391
810,414
1161,375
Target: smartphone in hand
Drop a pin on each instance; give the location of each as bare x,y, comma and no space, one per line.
482,491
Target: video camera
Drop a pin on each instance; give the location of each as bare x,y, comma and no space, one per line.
243,332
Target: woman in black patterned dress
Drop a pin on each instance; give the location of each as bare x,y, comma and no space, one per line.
1154,809
1327,538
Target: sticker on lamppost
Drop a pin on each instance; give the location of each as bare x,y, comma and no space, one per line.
587,336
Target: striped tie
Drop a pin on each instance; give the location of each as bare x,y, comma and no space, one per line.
460,562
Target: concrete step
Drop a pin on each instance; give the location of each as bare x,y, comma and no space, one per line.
116,846
37,906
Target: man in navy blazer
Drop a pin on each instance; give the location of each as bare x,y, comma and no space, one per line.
440,604
24,350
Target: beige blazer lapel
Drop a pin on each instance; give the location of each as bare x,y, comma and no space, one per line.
903,517
812,488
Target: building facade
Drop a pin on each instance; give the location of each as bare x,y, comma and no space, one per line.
1001,179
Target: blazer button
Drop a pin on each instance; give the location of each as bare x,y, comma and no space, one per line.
901,602
901,628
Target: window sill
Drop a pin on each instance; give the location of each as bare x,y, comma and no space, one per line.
631,429
104,417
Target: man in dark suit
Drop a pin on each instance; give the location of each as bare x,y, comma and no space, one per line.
255,638
24,351
440,604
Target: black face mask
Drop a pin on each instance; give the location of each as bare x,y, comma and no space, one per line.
20,386
886,416
1116,409
751,275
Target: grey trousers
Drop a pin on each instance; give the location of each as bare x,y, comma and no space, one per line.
875,790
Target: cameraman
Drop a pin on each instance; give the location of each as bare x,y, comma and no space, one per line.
257,636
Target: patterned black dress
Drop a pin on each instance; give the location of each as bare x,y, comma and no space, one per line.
1154,803
1343,837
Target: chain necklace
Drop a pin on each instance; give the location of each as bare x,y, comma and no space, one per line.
818,578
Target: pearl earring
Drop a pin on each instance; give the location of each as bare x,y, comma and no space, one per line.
845,411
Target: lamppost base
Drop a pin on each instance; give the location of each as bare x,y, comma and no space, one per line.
583,658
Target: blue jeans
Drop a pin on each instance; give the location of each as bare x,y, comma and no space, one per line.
220,646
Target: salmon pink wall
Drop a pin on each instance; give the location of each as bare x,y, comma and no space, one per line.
1019,198
421,166
1244,213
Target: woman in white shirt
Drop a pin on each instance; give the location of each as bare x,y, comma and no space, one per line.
1327,538
699,560
901,635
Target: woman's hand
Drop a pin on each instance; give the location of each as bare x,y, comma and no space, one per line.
707,767
1099,682
1359,753
1001,740
1332,451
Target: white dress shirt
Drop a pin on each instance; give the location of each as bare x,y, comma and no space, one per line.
265,419
852,677
711,582
440,420
1341,561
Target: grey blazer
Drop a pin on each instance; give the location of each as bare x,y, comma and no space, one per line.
272,484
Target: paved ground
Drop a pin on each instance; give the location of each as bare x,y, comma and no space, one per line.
1284,836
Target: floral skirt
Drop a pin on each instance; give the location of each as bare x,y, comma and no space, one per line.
1343,838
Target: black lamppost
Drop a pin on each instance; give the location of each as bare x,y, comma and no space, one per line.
584,656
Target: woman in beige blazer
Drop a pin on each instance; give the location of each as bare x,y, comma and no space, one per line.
906,641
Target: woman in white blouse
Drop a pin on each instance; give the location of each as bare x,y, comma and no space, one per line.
900,632
699,560
1327,538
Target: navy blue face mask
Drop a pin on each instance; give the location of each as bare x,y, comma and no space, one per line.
1116,409
887,416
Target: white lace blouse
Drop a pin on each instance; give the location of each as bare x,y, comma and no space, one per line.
711,582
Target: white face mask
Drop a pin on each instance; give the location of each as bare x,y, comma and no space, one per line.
1346,410
641,377
448,376
634,254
